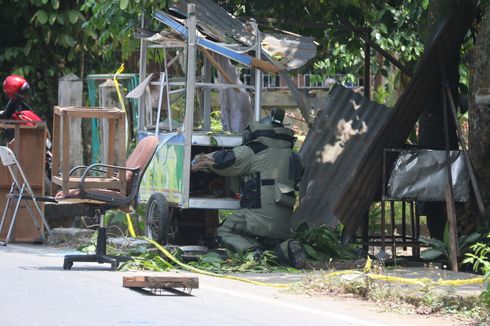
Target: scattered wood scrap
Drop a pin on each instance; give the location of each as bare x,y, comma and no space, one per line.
158,284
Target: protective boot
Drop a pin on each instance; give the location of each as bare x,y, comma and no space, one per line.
291,253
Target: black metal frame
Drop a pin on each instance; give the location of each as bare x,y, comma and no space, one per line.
405,240
100,255
111,202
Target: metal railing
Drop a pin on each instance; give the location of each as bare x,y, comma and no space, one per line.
302,81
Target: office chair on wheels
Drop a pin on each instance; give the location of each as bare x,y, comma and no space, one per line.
105,199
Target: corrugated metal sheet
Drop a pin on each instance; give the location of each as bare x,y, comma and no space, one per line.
216,21
291,50
349,199
333,151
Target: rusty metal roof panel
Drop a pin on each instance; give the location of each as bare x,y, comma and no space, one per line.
333,151
289,49
216,22
341,191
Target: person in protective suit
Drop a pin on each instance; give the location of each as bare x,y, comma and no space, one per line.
269,171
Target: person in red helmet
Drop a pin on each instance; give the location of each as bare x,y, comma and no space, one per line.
17,90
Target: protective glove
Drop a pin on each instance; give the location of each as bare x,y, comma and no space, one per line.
202,162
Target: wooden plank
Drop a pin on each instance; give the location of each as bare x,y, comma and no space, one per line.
90,112
122,153
56,143
452,228
161,282
219,68
65,150
466,156
111,146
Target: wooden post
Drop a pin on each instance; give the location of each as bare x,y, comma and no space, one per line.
108,98
70,93
449,192
469,165
452,228
451,215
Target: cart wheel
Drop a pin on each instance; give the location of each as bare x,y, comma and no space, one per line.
157,218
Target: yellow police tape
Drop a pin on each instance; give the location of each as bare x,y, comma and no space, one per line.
131,231
422,281
203,272
393,279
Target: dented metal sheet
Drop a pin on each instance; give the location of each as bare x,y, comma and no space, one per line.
221,49
333,150
345,167
216,22
422,175
290,50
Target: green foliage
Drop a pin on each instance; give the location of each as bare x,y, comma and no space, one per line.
440,248
41,40
149,261
44,40
216,125
322,243
89,247
392,25
480,259
240,262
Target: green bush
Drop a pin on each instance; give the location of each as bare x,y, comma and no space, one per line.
479,258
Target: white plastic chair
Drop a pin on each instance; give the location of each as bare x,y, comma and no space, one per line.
20,190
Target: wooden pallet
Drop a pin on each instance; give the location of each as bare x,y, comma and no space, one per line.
157,284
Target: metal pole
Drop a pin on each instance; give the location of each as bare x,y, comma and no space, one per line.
412,226
404,224
142,73
207,96
258,73
160,100
417,228
393,239
189,101
383,197
167,90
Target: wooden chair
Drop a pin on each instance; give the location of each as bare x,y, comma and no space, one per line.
107,199
20,191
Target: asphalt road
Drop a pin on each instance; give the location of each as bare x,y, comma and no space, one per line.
35,290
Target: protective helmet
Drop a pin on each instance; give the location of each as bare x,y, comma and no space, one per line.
275,118
16,87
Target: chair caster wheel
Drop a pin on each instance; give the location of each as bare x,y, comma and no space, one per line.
114,265
67,265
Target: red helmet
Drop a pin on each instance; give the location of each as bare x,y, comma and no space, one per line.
16,87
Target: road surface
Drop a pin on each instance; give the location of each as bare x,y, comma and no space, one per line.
35,290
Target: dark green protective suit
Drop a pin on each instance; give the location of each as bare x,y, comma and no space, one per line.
265,163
